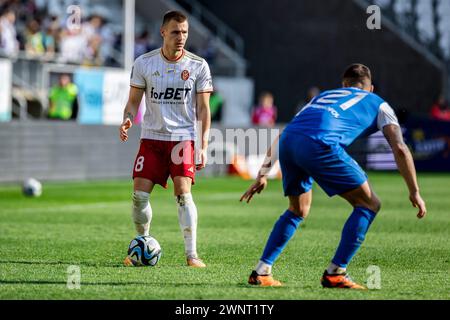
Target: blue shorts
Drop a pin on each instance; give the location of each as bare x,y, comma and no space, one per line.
303,159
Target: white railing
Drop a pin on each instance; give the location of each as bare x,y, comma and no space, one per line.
214,24
422,24
229,42
31,77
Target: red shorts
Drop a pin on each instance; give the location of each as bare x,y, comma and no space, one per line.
157,160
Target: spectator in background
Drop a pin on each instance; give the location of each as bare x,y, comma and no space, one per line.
310,94
143,44
91,30
265,114
51,36
215,105
108,39
440,110
34,39
209,51
73,45
8,36
63,99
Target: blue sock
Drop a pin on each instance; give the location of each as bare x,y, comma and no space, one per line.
353,235
282,232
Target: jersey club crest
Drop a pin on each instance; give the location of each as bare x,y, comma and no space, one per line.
185,75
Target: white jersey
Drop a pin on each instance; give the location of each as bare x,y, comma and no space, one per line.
170,94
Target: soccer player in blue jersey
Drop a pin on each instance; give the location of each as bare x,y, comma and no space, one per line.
312,147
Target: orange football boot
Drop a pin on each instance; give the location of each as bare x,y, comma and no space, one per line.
339,281
128,262
263,281
195,262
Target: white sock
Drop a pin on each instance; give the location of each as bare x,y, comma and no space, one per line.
335,269
263,268
142,212
187,218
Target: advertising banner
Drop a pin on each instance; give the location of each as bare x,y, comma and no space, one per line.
5,90
90,95
102,95
429,141
116,87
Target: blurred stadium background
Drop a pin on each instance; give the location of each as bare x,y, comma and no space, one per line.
285,48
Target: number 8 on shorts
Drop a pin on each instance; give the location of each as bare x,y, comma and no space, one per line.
139,164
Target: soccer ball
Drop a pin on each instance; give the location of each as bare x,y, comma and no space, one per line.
32,188
144,251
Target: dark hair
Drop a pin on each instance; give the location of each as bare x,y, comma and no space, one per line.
6,11
174,15
265,94
357,75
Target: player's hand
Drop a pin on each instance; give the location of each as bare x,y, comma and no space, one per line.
257,187
203,158
126,124
418,202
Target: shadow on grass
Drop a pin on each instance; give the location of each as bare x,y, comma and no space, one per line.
77,263
43,282
239,285
129,283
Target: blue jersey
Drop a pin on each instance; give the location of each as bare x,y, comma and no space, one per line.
339,117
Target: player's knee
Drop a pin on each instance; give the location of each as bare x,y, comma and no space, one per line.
376,205
182,185
301,212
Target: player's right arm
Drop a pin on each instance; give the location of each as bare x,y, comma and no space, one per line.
261,180
405,164
130,112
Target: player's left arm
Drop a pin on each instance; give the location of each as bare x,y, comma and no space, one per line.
204,115
405,164
388,124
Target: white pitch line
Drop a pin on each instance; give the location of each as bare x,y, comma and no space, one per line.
69,207
104,205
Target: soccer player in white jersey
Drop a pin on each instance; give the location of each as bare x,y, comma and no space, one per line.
177,85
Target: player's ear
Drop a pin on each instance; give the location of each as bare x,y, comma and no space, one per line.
372,88
161,31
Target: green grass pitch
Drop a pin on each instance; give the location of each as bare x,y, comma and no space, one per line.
88,224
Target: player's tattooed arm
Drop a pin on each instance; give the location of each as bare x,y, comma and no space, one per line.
128,115
133,103
130,112
261,180
270,159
